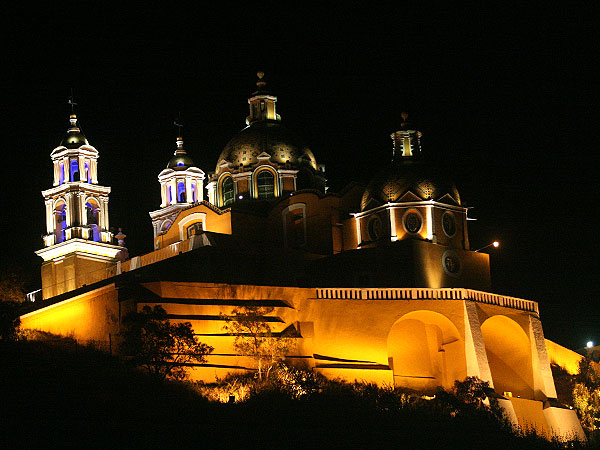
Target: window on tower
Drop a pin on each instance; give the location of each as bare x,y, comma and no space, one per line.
74,165
265,184
60,221
181,192
92,209
61,174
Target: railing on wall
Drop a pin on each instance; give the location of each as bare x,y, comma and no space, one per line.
426,294
136,262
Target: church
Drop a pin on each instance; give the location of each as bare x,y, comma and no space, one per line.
377,284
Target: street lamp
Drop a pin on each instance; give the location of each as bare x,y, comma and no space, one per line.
494,244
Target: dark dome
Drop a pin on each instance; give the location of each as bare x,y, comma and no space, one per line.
74,139
426,182
180,162
267,137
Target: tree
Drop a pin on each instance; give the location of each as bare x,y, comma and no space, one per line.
586,394
161,348
12,296
12,288
254,337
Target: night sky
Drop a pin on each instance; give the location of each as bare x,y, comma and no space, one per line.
505,98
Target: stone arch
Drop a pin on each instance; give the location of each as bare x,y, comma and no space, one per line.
425,351
509,355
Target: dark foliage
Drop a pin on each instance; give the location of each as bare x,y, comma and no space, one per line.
9,321
163,349
61,395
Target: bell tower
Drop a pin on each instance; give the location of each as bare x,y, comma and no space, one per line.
78,246
181,185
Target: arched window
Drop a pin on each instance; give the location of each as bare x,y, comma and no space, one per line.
74,170
265,184
92,210
170,194
61,174
181,192
227,191
60,221
194,194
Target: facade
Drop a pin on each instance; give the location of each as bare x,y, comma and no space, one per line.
376,284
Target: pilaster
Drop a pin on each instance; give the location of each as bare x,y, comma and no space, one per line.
542,380
475,353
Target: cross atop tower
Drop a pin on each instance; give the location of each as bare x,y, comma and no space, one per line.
72,102
178,124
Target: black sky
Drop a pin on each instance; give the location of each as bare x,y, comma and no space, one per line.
506,99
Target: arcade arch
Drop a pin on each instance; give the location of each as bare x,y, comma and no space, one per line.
509,356
425,351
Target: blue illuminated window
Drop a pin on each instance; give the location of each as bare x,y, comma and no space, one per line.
61,175
181,192
74,170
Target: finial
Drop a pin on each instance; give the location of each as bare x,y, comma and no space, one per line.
72,103
178,124
404,115
120,236
260,83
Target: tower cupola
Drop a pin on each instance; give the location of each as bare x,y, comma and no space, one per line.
181,185
262,103
407,140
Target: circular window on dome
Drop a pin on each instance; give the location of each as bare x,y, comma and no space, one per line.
375,228
449,224
451,263
413,222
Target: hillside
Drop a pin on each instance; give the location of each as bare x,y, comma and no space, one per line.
60,395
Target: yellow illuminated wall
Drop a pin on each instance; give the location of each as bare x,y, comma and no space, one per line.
415,344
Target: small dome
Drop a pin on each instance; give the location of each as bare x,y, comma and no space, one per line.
424,181
267,137
74,137
180,162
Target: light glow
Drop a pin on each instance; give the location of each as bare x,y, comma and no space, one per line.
590,344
